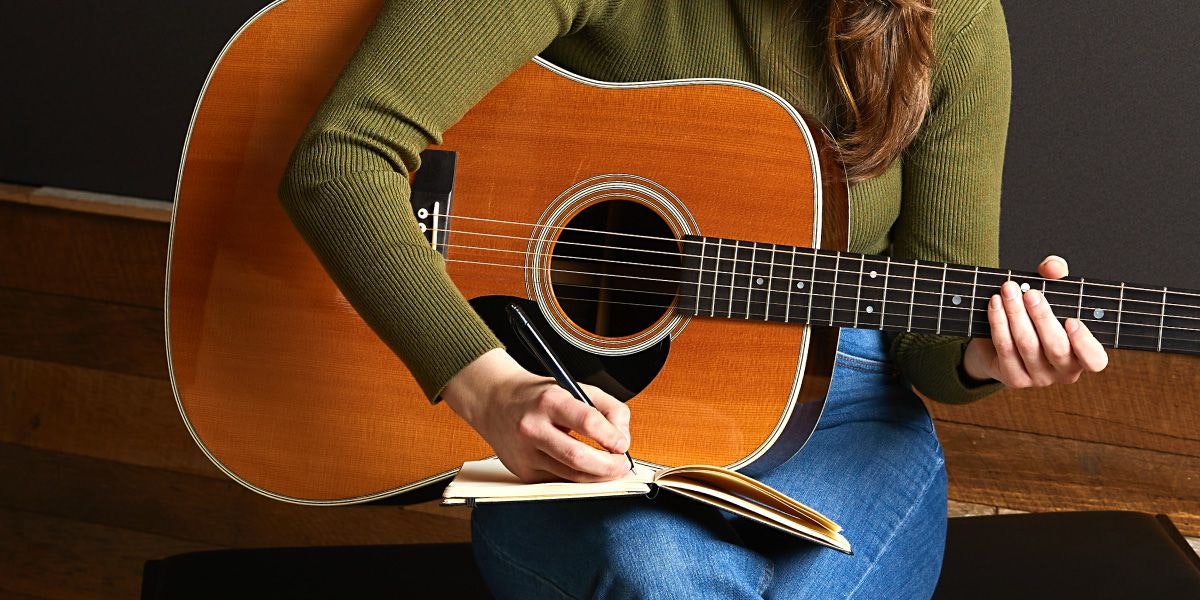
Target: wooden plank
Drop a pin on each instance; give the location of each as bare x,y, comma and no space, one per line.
202,509
1038,473
82,255
96,413
60,558
967,509
97,335
127,207
1142,400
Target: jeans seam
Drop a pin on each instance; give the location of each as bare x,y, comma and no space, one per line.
863,365
895,530
768,577
498,553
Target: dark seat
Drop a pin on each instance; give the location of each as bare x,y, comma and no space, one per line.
1109,554
1103,554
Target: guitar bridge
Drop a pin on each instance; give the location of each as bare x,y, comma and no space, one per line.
432,190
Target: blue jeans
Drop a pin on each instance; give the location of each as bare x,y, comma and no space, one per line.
874,465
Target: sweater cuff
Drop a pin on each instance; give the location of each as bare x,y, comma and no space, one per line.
933,365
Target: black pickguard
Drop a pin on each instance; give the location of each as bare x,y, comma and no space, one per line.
622,376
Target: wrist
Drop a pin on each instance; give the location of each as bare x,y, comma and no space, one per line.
474,386
974,365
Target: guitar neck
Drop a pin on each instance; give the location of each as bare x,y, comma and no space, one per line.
748,280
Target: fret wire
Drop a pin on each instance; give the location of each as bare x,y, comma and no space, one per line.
974,291
812,284
942,299
837,267
887,272
1079,309
1162,318
750,277
771,280
733,277
712,310
1120,304
787,313
858,301
912,298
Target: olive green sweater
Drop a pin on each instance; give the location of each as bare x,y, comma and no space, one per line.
424,64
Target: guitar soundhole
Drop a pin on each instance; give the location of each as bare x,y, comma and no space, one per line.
615,268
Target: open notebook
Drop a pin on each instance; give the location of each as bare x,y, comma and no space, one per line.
486,481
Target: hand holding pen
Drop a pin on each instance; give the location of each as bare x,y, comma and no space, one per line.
526,420
545,355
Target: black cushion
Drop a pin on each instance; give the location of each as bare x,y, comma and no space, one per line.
1107,554
1101,554
386,571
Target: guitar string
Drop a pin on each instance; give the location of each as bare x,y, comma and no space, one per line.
810,254
849,271
843,322
1047,294
835,310
797,249
834,298
800,251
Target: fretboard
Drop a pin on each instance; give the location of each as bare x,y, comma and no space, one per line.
748,280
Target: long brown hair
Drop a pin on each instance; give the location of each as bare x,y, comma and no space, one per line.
880,53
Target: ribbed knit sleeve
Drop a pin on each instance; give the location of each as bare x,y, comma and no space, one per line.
951,187
421,66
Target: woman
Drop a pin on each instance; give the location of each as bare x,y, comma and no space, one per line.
918,100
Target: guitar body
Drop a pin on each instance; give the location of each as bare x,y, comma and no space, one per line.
289,392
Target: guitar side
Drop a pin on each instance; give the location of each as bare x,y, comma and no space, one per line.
291,394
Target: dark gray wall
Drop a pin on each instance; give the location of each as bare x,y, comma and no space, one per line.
97,94
1101,164
1103,160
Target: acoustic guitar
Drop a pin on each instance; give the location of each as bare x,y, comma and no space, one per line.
606,210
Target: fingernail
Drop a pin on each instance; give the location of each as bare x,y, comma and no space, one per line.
1033,298
623,444
1072,325
1010,290
1055,258
995,302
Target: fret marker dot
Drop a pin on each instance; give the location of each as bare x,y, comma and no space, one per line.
1024,287
956,300
1098,313
799,285
874,274
870,309
758,281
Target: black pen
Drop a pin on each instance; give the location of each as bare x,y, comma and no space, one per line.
538,346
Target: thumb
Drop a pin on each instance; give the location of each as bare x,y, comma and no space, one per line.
1053,267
